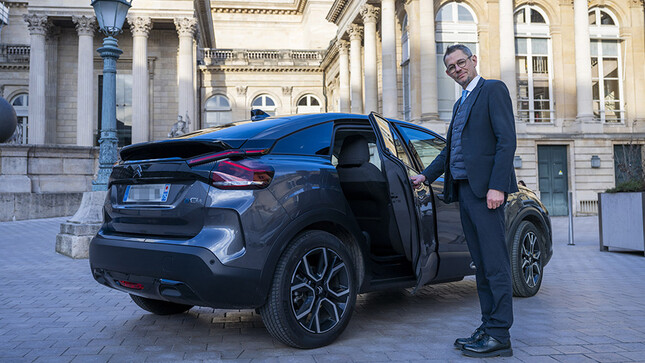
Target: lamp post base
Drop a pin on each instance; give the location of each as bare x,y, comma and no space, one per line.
75,234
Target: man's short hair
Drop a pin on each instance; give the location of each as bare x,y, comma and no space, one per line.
455,47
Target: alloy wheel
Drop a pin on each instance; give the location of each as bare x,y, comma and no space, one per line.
531,259
320,290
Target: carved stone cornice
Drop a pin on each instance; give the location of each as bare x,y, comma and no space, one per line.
85,25
140,25
16,4
37,23
14,66
355,31
271,9
186,27
369,13
246,69
337,10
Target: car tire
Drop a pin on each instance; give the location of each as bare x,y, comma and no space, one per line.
159,307
313,292
527,259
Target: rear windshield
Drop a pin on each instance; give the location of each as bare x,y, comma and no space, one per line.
242,130
171,149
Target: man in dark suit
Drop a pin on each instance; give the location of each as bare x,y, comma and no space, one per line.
477,164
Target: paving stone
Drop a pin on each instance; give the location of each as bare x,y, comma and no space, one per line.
590,309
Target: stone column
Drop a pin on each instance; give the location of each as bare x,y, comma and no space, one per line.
583,60
412,8
38,25
388,58
51,83
369,14
429,101
140,27
343,59
355,34
85,27
507,49
186,28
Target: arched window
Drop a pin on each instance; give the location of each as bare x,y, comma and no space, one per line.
20,104
455,23
533,65
218,111
265,103
308,104
606,66
405,68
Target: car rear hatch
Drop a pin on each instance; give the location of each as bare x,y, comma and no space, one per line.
155,191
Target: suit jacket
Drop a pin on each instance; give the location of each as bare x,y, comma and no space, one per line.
488,143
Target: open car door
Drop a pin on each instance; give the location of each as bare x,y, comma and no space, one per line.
407,204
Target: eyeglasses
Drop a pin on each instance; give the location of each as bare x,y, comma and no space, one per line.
461,63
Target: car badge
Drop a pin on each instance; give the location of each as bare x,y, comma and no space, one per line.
137,172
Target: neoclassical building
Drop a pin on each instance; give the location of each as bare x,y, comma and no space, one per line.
574,68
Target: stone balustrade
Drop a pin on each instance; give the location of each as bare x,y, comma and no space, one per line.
242,57
11,53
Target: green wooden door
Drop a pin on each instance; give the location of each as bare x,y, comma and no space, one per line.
553,178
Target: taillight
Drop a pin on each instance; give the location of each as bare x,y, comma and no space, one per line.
241,174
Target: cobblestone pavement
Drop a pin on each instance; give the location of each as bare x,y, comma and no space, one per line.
591,308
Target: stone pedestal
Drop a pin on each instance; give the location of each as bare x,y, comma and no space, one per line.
75,234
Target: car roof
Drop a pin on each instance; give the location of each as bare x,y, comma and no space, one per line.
237,133
273,127
267,128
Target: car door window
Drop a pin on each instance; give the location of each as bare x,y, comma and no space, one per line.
425,145
341,134
393,142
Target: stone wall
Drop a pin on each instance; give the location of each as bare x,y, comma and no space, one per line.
39,181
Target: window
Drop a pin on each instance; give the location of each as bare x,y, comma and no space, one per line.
606,66
532,64
405,68
308,104
425,145
314,140
455,23
341,134
20,104
265,103
628,163
218,111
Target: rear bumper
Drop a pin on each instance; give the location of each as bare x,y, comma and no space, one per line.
178,273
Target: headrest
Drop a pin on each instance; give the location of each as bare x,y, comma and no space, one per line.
354,152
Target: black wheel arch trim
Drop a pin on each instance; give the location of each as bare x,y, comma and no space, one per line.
301,223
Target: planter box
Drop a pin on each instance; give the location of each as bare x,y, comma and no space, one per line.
621,217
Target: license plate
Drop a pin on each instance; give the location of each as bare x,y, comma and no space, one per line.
146,193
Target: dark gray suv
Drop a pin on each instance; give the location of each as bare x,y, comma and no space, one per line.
293,216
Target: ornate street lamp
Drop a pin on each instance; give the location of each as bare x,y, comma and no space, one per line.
110,15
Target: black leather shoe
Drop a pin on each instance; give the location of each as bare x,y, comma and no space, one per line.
459,343
487,346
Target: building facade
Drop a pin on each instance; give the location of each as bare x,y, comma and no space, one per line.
574,70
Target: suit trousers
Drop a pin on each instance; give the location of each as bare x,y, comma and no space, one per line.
485,231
